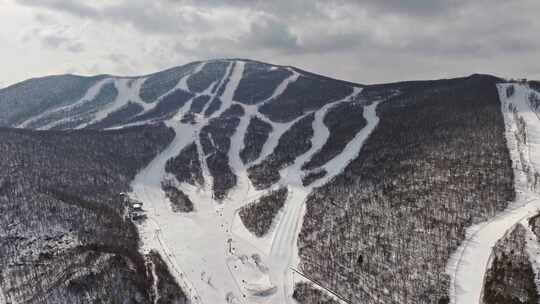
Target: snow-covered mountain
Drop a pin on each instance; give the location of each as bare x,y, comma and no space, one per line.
266,184
74,102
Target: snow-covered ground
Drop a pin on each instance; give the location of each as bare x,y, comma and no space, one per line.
212,255
469,263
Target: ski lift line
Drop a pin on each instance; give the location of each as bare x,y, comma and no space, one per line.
294,270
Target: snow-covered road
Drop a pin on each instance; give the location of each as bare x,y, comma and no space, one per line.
469,263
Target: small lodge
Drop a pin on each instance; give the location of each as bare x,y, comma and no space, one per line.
137,206
134,207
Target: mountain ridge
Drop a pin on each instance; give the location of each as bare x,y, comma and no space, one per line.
104,75
375,84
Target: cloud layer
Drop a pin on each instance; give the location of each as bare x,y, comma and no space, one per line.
365,41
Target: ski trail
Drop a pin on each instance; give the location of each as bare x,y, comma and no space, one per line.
470,262
292,175
128,90
88,96
193,244
467,266
210,262
284,251
147,107
92,94
208,178
234,81
278,129
528,151
351,151
237,145
147,188
281,87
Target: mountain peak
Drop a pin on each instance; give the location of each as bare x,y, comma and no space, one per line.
71,101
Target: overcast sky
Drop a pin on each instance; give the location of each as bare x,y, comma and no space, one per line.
366,41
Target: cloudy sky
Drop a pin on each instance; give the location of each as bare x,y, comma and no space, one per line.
366,41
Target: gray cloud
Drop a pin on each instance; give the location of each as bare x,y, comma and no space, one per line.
270,33
422,8
54,37
147,16
367,41
77,8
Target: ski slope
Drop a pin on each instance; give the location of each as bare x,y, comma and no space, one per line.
469,263
213,257
284,250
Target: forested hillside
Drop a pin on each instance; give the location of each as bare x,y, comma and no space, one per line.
64,234
383,230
